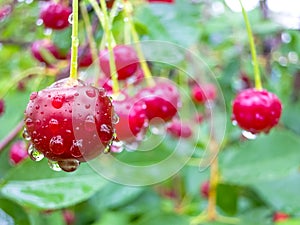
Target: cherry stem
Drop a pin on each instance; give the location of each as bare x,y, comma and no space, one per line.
213,181
128,13
109,39
11,135
258,84
75,41
91,40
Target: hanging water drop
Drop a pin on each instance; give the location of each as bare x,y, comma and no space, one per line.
69,165
115,119
234,123
116,147
54,165
70,18
34,154
26,135
249,135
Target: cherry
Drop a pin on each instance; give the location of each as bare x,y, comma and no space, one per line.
69,123
55,16
161,1
106,83
280,216
203,93
85,58
2,106
132,118
125,58
205,189
177,129
45,45
162,101
18,152
5,11
256,110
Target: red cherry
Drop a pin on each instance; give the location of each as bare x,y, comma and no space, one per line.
5,11
45,45
203,93
205,189
18,152
69,122
106,83
280,216
256,110
162,101
132,118
161,1
2,106
179,130
55,16
85,58
125,58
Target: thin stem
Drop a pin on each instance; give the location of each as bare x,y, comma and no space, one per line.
89,30
11,135
258,84
109,39
75,41
128,11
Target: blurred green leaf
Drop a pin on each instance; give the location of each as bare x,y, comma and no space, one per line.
15,211
163,219
46,189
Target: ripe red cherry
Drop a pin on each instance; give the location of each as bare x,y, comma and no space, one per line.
55,16
132,118
280,216
18,152
256,110
85,58
161,1
125,58
45,45
162,101
179,130
202,93
69,122
204,189
2,106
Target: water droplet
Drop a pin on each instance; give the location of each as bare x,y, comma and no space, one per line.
47,31
102,92
87,106
53,125
117,146
39,22
157,129
26,135
249,135
70,18
76,148
91,93
58,101
54,165
56,145
104,128
76,94
34,154
115,119
89,123
234,122
29,122
69,165
37,107
33,95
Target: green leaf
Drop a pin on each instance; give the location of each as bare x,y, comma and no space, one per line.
110,218
34,185
227,198
290,222
281,194
15,211
269,157
163,219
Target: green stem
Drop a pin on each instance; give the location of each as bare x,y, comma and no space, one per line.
143,62
109,39
258,84
75,41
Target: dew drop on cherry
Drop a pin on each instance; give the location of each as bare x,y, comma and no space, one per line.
91,93
56,145
26,135
54,165
89,123
34,154
33,95
249,135
69,165
117,146
58,101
